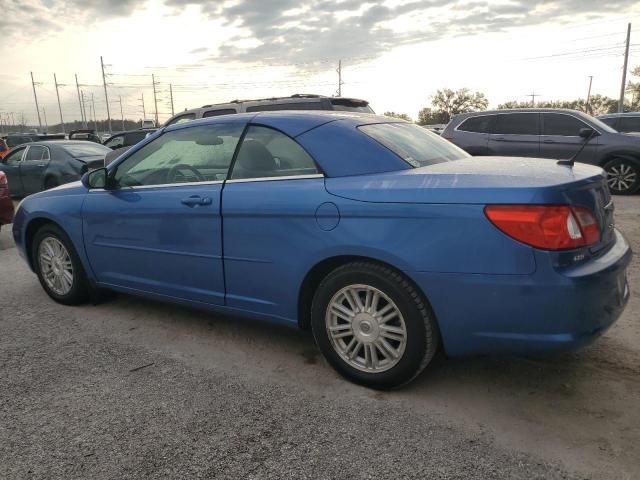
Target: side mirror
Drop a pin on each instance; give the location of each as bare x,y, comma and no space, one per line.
95,178
587,133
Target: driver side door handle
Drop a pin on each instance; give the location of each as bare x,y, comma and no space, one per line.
195,200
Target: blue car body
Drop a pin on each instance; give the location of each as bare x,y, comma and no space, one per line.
258,248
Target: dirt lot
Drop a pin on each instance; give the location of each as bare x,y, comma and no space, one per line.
231,398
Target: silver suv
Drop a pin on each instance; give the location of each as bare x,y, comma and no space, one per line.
550,133
294,102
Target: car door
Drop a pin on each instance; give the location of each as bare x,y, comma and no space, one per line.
32,168
561,137
269,207
11,167
157,229
515,134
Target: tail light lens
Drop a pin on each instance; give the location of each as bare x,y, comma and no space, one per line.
548,227
4,185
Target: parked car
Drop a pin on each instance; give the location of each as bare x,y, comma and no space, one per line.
6,204
84,134
436,128
386,240
43,165
550,133
13,140
127,139
623,122
294,102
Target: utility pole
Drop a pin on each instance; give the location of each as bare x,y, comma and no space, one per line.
340,82
55,81
21,122
83,112
155,98
171,94
80,102
121,114
46,125
144,114
93,108
624,71
533,96
587,107
33,84
106,97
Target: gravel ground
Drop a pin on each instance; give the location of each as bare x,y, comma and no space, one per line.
137,389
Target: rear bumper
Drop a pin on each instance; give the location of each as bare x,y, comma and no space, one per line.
550,310
6,210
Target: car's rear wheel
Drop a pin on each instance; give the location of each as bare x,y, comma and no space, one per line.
58,266
623,176
373,326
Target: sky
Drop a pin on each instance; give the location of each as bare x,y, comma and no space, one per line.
394,53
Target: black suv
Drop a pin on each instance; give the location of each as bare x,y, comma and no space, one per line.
550,133
127,139
294,102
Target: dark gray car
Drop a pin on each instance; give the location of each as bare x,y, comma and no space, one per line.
550,133
628,122
39,166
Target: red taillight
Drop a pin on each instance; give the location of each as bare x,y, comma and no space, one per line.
3,180
549,227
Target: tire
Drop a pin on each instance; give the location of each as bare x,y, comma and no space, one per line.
358,341
52,240
50,183
623,176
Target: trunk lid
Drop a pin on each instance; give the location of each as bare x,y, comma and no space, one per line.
92,162
489,180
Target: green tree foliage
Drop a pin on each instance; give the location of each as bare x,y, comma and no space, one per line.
428,116
402,116
451,102
598,105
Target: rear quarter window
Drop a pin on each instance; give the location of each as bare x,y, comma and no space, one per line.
219,112
414,144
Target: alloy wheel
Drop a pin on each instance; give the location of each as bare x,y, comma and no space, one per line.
55,266
621,177
366,328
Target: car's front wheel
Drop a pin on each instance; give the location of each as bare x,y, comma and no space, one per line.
373,326
623,176
58,266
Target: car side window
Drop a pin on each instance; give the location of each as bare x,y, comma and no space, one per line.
611,121
183,118
629,124
217,113
266,152
115,142
187,155
562,125
516,124
14,157
36,153
480,124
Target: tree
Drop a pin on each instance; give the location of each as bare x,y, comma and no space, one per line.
598,105
452,102
428,116
402,116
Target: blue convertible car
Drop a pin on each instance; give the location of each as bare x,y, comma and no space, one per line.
384,239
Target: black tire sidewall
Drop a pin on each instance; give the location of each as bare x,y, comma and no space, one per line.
79,289
632,164
420,327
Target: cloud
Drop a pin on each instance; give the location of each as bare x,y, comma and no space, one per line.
290,31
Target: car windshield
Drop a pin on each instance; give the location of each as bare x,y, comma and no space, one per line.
415,145
86,150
